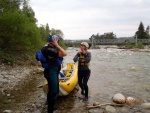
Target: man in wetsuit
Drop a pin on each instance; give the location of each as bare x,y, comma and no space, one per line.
52,52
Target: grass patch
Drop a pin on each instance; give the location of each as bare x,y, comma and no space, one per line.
139,45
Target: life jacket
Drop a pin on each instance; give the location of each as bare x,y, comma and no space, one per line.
82,59
45,63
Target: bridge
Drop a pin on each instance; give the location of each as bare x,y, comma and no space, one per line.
117,41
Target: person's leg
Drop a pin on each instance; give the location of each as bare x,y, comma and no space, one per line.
85,80
53,88
80,81
46,73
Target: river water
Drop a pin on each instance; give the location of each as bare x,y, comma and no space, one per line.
112,71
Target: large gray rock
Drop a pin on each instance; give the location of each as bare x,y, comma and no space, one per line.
119,98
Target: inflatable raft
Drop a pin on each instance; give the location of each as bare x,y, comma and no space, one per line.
67,79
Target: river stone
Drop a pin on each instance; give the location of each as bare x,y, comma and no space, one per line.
37,111
146,105
134,68
124,110
7,111
96,104
130,101
96,110
119,98
110,109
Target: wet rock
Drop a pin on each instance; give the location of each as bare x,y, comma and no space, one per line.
146,105
124,110
38,71
37,111
7,101
3,81
119,98
131,101
7,111
110,109
95,104
97,110
33,105
134,68
1,77
8,95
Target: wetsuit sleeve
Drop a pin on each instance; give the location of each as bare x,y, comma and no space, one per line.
75,59
87,59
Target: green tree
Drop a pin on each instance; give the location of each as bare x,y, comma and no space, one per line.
43,33
28,11
108,35
19,33
141,34
147,32
10,5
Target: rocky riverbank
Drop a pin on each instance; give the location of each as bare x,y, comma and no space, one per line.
18,89
12,76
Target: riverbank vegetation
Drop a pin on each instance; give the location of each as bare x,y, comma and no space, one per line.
20,37
134,46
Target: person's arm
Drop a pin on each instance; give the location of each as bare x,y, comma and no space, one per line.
61,52
75,59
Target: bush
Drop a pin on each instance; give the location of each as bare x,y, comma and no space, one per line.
139,45
129,46
19,38
8,59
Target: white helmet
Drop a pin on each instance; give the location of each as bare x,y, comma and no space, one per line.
85,44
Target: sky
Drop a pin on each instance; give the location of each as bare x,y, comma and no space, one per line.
79,19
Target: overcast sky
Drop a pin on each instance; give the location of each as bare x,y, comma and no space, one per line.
79,19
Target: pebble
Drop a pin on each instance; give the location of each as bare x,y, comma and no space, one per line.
124,110
8,95
37,111
110,109
97,110
131,101
95,104
7,111
33,105
146,105
134,68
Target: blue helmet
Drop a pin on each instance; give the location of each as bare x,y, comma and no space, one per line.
51,37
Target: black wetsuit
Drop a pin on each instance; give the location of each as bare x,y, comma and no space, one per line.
83,71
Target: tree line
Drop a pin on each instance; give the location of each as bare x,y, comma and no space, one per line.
19,33
141,33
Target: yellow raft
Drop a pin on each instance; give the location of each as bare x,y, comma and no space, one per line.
68,82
